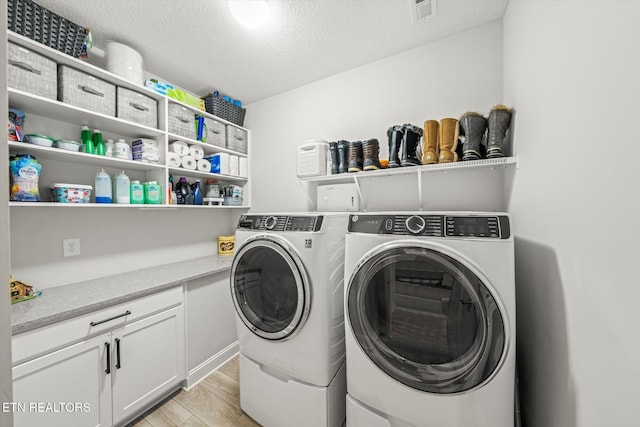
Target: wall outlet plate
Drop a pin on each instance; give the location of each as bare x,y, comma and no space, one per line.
70,247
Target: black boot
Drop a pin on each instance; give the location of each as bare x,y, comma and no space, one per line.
472,127
371,151
333,152
394,134
355,156
497,126
410,142
343,151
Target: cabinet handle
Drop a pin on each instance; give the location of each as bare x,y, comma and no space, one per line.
126,313
138,106
118,353
25,66
108,350
183,119
90,90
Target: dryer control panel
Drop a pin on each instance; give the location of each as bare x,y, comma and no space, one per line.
452,225
308,223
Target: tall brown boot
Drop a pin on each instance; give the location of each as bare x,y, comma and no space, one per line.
430,143
371,151
448,140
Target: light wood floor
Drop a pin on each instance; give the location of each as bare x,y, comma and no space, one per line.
214,402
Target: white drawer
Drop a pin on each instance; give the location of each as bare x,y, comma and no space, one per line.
38,341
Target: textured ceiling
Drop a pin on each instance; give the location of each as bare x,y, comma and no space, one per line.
197,45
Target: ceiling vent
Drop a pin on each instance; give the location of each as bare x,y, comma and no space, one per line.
423,9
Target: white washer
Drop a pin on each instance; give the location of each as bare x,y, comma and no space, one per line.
430,320
287,282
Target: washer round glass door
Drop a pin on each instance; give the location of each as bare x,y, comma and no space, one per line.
425,319
270,288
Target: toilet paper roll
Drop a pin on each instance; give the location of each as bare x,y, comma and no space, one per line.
196,152
173,160
180,147
204,165
188,162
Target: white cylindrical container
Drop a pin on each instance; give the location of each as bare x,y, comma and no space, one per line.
125,62
103,187
122,187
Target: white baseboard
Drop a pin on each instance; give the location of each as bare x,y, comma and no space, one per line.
201,371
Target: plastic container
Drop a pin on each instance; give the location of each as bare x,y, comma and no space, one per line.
67,145
85,136
226,245
182,191
136,193
97,141
152,193
15,124
70,193
196,191
25,173
36,139
122,186
103,187
109,148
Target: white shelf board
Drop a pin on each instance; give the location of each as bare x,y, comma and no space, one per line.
117,206
45,107
501,162
195,173
50,153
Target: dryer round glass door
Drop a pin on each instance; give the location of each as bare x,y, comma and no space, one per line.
269,287
425,319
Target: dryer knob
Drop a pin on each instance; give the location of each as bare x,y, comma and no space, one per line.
270,222
415,224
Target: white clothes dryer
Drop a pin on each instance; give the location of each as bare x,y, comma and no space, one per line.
287,285
430,320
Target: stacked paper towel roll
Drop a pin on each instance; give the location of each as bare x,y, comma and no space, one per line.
181,148
187,156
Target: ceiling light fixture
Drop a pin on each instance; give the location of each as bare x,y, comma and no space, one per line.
250,13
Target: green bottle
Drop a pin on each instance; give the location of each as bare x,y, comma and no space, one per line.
97,141
85,136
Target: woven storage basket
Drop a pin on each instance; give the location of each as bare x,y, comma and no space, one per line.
31,72
216,132
223,109
136,107
31,20
86,91
236,139
182,121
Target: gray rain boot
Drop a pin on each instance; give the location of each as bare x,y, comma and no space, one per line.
473,126
410,144
499,122
343,154
394,133
335,162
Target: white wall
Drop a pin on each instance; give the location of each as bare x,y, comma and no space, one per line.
112,240
572,71
441,79
5,259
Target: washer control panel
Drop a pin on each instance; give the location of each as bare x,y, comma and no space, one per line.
453,225
308,223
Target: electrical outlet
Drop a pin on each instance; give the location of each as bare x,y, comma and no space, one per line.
71,247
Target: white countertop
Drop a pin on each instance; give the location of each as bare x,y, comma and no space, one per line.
64,302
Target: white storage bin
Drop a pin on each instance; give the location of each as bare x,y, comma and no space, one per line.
216,132
86,91
236,139
31,72
182,121
136,107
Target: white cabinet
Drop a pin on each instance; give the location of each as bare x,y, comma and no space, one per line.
211,330
479,185
72,381
104,379
63,121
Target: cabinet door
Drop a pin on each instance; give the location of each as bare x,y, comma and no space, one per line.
210,318
148,360
69,387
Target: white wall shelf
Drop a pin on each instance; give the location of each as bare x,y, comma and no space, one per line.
436,186
61,120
